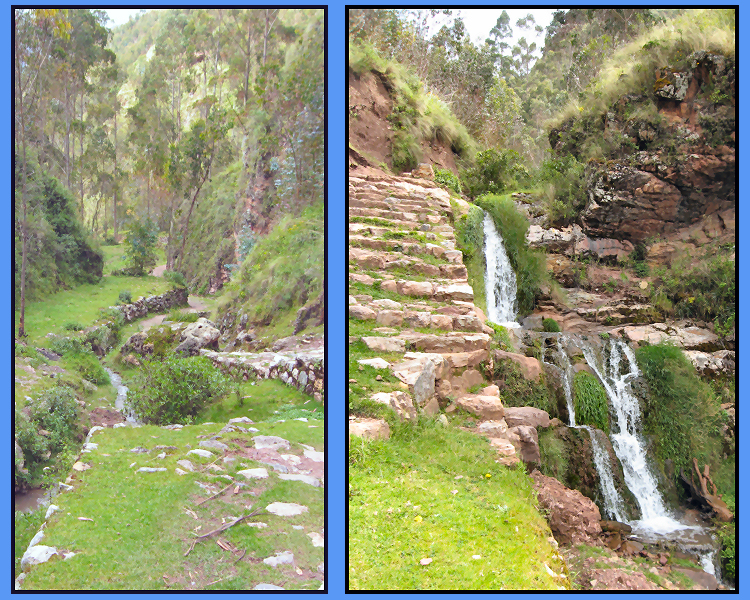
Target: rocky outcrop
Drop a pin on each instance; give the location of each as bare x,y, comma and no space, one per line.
198,335
573,518
688,337
372,429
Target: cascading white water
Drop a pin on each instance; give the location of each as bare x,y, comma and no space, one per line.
122,395
614,506
627,442
567,369
500,280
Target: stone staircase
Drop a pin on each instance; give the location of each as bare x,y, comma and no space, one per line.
408,289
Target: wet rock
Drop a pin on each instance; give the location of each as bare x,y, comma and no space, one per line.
526,415
573,518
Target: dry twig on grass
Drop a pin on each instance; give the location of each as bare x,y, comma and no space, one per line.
216,494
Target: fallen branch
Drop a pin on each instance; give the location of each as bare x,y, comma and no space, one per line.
228,525
241,557
189,550
216,494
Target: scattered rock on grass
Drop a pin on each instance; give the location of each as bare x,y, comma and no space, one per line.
280,558
271,441
200,452
254,473
286,509
313,481
267,586
316,539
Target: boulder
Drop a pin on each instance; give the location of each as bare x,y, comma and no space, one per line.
530,367
486,407
400,402
526,415
505,451
423,171
201,334
370,428
361,313
382,344
526,441
493,429
573,518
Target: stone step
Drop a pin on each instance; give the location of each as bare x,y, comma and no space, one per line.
413,189
410,248
448,343
379,262
441,292
422,319
396,215
383,202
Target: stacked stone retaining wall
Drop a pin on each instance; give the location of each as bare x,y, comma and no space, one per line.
153,304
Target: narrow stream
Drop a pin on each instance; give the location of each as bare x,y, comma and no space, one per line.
122,394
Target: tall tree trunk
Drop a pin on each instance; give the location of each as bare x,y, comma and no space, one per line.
24,221
187,220
80,178
115,184
67,135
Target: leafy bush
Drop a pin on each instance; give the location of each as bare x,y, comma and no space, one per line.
35,449
175,390
529,265
550,326
66,345
23,350
89,367
564,190
727,537
176,316
495,171
140,246
503,336
641,269
125,297
56,410
682,415
447,179
590,400
176,278
406,153
73,326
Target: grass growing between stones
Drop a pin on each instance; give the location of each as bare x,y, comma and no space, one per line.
143,523
437,493
82,304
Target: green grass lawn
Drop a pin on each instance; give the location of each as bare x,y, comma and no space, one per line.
437,493
82,304
144,523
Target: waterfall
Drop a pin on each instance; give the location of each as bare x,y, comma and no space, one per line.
626,441
613,504
500,280
567,382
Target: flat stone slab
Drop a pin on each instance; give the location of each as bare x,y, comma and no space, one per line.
267,586
316,539
203,453
186,464
271,441
254,473
215,444
282,558
378,362
315,456
286,509
313,481
150,470
37,555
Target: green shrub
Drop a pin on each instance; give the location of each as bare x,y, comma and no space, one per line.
516,390
495,171
727,537
176,316
641,269
406,153
176,278
470,240
590,400
502,335
73,326
564,191
140,246
27,351
56,410
35,450
175,390
66,345
554,455
125,297
88,366
529,265
447,179
682,415
550,326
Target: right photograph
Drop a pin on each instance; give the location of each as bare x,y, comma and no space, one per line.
541,299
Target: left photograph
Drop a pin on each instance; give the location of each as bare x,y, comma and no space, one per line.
169,306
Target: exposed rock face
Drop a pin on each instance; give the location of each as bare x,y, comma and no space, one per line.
573,518
526,440
712,364
486,407
689,338
530,367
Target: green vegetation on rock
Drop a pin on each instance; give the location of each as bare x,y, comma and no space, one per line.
590,400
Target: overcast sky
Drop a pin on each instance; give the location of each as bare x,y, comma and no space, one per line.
120,16
479,21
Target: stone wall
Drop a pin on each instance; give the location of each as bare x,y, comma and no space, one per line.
303,370
153,304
